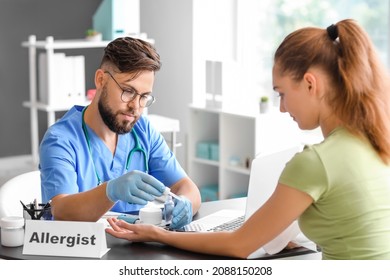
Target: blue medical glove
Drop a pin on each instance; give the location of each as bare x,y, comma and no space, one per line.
182,213
134,187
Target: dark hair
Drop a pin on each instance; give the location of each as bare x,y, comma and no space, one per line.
131,55
359,83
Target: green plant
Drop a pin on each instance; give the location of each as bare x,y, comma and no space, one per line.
91,32
264,99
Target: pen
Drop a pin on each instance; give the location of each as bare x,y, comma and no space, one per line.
36,203
30,210
47,205
24,206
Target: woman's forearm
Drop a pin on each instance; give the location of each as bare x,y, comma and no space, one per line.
215,243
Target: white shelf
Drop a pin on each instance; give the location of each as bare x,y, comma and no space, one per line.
206,161
49,46
50,108
239,134
49,43
166,125
238,169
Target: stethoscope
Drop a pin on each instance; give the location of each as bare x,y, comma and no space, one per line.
137,148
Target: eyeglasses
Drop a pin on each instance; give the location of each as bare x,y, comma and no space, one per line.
128,95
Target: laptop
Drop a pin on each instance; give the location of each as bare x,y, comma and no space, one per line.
264,176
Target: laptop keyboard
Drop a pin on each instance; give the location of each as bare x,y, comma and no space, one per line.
222,220
230,226
195,227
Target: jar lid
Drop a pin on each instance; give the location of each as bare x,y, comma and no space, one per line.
12,222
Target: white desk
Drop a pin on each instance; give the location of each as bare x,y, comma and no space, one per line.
166,125
123,250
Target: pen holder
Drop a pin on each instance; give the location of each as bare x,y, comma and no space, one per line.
43,212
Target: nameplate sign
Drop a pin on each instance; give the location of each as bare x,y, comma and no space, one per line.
62,238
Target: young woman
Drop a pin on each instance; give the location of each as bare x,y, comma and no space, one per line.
339,189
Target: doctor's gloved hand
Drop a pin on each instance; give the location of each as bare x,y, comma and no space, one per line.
182,213
134,187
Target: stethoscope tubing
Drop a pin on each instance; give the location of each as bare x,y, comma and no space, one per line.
137,148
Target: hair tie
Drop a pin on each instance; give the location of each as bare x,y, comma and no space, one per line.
332,32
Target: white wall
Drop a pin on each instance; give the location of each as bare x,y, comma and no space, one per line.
169,23
215,39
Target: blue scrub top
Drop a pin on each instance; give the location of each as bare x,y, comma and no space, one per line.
67,166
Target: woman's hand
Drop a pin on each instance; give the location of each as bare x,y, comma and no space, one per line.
132,232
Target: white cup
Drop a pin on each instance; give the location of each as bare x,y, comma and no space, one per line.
150,215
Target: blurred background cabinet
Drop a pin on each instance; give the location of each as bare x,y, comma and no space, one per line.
49,46
222,145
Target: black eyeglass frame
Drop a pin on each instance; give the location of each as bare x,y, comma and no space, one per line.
149,99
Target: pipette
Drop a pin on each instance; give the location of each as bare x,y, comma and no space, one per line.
167,191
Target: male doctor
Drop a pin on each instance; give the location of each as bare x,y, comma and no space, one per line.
108,156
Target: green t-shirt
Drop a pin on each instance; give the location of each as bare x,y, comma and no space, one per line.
350,186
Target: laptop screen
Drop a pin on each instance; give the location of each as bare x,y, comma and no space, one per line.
264,176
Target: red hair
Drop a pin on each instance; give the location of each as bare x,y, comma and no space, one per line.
359,83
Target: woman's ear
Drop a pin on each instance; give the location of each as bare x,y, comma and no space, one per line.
310,82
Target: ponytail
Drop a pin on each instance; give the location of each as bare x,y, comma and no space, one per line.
359,91
363,104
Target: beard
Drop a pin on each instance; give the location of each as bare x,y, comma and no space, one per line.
109,117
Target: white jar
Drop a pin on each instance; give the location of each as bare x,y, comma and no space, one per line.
150,215
12,231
